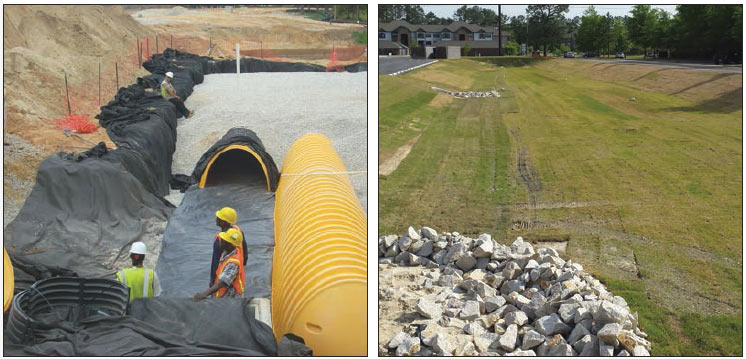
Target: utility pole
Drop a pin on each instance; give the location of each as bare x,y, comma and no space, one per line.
499,30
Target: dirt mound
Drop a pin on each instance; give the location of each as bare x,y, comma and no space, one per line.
41,45
265,32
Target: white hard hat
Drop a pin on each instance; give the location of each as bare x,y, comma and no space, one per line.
137,248
170,74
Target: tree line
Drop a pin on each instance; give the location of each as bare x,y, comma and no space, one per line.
693,31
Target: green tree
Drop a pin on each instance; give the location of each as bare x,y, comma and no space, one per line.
549,21
641,26
477,15
432,19
587,37
619,36
512,48
517,26
412,14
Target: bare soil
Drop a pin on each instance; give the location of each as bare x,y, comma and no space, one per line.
272,33
390,165
42,44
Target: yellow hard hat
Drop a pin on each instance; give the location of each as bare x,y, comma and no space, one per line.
232,236
227,214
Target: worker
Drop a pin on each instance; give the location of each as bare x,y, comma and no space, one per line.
169,94
229,277
142,282
225,218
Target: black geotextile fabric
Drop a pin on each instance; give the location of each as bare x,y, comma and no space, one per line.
184,264
82,215
159,327
86,209
234,136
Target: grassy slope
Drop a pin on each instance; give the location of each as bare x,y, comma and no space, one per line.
662,177
456,174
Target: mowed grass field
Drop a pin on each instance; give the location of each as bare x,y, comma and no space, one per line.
646,193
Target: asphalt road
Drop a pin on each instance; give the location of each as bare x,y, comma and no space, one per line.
390,64
671,65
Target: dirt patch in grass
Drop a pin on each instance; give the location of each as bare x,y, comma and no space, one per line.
441,100
436,74
692,85
391,163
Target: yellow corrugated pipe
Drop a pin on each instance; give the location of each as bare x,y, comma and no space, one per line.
8,281
319,277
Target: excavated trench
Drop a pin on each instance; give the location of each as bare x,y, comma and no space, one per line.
86,209
235,179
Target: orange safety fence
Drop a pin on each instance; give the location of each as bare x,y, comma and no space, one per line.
76,123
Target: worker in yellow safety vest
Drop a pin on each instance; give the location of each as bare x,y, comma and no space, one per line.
169,94
142,282
225,219
229,277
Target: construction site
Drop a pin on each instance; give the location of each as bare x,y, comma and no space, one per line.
136,127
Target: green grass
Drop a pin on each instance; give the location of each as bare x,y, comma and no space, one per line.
687,334
360,37
318,15
661,184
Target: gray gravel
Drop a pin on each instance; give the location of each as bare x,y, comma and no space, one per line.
280,108
20,152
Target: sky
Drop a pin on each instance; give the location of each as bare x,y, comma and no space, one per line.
515,10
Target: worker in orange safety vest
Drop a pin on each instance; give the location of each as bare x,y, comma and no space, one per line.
225,219
229,277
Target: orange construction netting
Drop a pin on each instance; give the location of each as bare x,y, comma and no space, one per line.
76,123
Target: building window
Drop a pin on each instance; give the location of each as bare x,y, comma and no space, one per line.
381,35
394,36
420,35
428,35
437,36
428,43
446,36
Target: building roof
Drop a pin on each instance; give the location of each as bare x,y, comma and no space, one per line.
453,27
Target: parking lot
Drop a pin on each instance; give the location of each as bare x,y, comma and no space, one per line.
390,64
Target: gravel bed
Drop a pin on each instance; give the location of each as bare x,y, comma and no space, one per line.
18,152
280,108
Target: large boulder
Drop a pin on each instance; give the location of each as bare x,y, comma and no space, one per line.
610,313
429,309
413,233
509,339
551,324
532,339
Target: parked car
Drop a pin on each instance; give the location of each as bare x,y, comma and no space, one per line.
570,55
651,54
590,54
620,55
727,57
